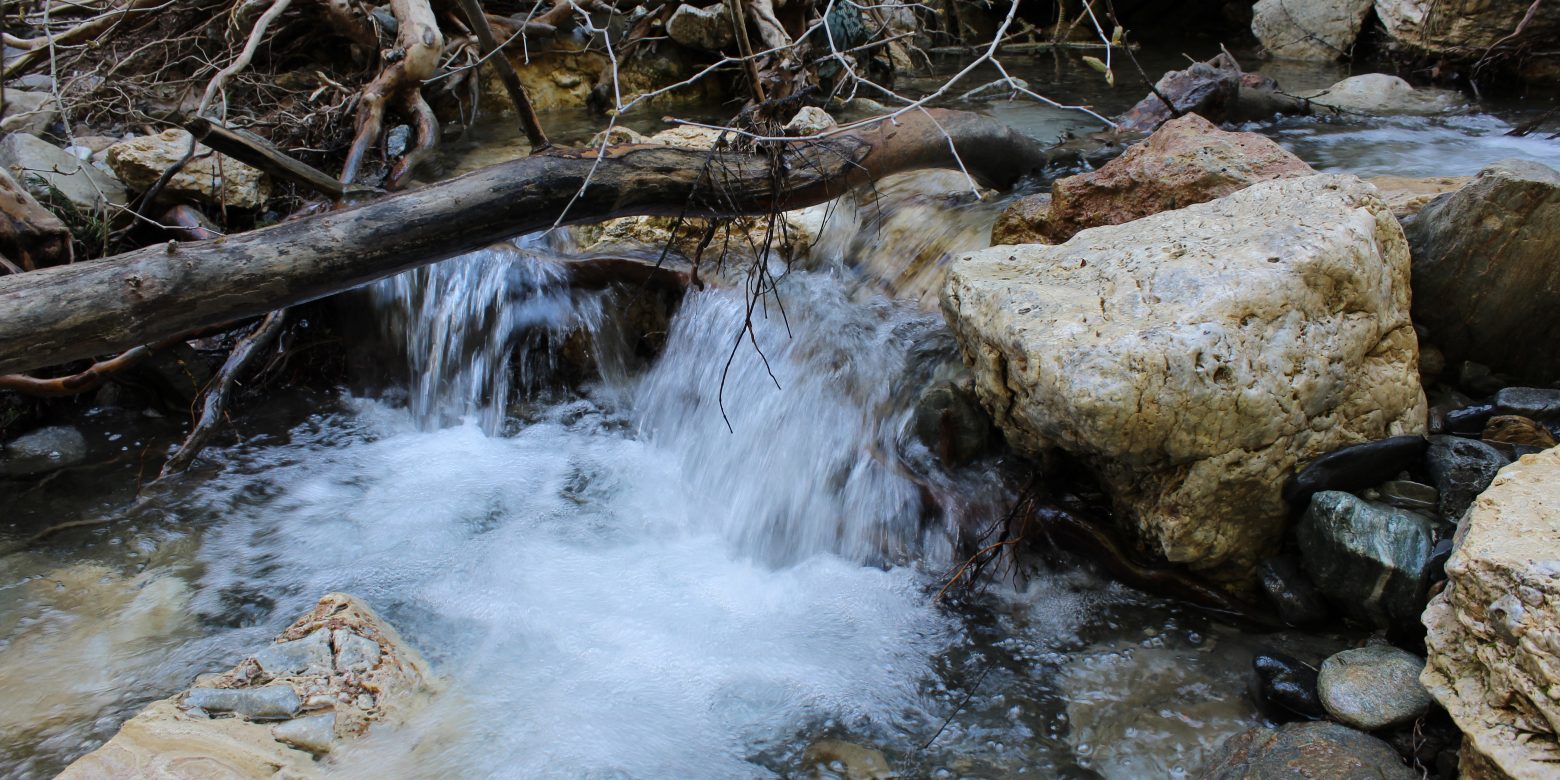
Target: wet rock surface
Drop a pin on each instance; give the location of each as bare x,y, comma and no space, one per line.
1290,592
1306,750
1321,30
1186,161
1355,467
1370,560
1373,687
848,760
1462,468
1237,350
316,685
1478,255
1537,403
1286,688
1492,655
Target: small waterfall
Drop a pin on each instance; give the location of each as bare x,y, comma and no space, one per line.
476,325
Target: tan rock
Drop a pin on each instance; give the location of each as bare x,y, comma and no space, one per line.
1494,631
339,660
207,178
1406,195
1019,223
1321,30
1515,429
1193,357
1381,93
1187,160
1464,30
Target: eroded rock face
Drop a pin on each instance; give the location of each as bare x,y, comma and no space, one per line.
328,677
1186,161
1464,30
207,178
1484,259
1494,631
1193,357
1319,30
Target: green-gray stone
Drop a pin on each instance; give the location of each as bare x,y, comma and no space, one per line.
1369,559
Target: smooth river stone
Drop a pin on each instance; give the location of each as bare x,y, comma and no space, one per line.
1373,688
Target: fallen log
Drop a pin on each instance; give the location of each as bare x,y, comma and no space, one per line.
93,308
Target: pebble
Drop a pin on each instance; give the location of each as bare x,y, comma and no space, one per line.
1288,590
1286,688
1462,469
309,655
847,760
1518,431
1373,687
1468,420
315,733
270,702
1539,404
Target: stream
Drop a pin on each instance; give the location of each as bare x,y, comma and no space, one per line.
699,569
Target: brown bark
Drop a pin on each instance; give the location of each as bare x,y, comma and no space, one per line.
30,234
71,312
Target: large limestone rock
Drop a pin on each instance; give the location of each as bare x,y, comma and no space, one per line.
1187,160
208,178
1194,357
329,677
1322,30
1494,631
1465,30
1487,270
706,29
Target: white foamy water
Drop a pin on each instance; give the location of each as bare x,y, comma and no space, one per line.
1410,146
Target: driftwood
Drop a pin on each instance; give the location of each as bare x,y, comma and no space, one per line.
79,311
217,394
30,235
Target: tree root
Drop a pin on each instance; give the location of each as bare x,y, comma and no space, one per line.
414,59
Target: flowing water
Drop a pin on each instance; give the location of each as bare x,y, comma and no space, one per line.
698,569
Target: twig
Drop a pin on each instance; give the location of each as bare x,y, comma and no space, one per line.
506,73
217,393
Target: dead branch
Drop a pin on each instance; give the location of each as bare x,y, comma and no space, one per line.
217,394
29,233
256,151
72,312
506,73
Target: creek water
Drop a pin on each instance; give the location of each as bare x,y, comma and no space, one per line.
696,568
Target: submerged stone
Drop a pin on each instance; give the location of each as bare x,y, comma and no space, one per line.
847,760
1306,750
1373,687
1370,560
42,450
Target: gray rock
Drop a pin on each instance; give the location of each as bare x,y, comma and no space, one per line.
1288,590
706,29
1370,560
1306,750
1319,30
309,655
316,733
1480,255
1379,93
1406,494
1373,688
1538,403
29,112
1462,469
397,141
43,450
355,653
270,702
40,165
37,82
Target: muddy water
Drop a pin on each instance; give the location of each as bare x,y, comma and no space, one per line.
697,571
